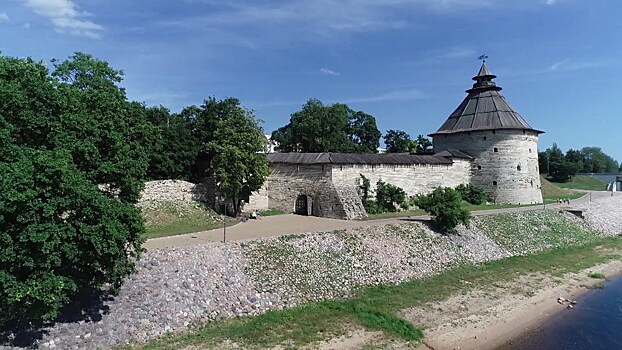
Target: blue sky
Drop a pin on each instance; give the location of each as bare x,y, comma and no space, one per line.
406,62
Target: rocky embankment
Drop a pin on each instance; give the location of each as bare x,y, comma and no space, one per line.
178,286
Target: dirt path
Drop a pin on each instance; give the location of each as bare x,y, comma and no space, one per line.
279,225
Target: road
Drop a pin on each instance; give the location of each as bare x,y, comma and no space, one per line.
279,225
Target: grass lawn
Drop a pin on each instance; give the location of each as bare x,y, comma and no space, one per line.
271,212
583,182
376,308
183,226
175,219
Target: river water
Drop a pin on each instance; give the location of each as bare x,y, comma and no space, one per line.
594,324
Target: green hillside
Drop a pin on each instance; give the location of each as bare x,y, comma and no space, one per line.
551,191
583,182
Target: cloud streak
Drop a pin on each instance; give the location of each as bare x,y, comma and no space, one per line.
65,17
397,95
325,16
568,65
329,72
4,17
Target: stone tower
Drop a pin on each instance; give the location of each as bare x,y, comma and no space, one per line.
504,146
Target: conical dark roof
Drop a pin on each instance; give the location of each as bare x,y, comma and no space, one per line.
483,109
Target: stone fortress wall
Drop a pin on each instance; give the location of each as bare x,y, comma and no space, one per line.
505,164
334,189
413,179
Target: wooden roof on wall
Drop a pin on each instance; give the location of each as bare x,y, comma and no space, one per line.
357,158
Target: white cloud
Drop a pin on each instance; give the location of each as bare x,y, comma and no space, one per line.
325,16
568,65
27,25
4,17
398,95
550,2
559,64
65,17
329,72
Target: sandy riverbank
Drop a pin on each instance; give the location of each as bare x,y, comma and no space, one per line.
488,319
483,319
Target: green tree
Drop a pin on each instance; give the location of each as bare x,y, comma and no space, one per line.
596,161
398,141
443,204
363,132
334,128
559,168
60,137
233,143
389,196
424,145
109,138
175,153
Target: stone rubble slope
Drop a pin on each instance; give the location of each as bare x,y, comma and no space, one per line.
178,286
604,215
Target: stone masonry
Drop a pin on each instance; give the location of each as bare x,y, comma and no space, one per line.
505,165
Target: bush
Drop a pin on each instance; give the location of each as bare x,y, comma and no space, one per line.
472,194
443,204
372,207
389,196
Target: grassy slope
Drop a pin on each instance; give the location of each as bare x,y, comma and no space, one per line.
583,182
377,307
551,192
175,219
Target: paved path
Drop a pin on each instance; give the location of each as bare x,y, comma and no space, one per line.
279,225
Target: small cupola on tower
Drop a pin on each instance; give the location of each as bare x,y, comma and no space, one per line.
483,80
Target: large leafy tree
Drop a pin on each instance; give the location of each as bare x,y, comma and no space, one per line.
234,145
109,138
176,149
334,128
597,161
424,145
62,135
363,132
398,141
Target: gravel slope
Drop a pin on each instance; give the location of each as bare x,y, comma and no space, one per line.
177,286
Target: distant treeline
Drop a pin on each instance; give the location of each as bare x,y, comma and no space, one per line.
561,167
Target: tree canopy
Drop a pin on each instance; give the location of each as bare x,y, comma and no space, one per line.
61,135
561,167
333,128
398,141
233,142
176,149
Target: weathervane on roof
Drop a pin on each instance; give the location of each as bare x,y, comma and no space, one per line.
483,58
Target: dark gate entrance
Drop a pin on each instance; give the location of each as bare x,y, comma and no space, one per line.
304,205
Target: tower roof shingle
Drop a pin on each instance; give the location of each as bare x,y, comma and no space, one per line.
484,108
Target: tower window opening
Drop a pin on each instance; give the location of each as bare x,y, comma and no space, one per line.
530,150
518,167
484,138
495,149
479,167
494,183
